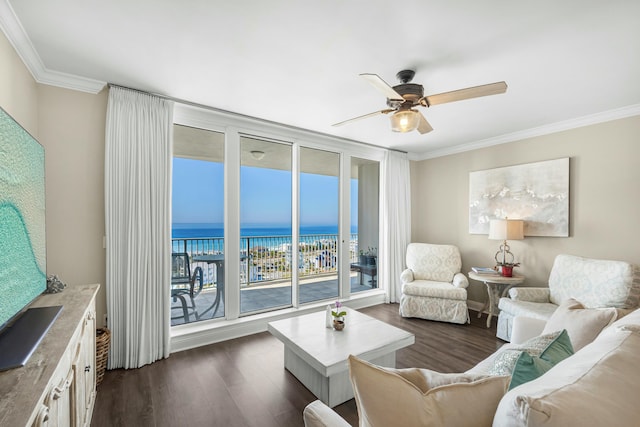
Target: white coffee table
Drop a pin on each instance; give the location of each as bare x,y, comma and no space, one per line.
317,356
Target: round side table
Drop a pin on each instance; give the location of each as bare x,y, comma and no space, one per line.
497,287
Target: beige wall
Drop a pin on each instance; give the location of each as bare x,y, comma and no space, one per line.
70,125
604,199
18,89
72,130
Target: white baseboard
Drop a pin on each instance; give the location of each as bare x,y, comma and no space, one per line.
212,331
476,306
209,332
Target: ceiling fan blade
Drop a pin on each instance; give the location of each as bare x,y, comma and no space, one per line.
382,86
387,111
424,126
470,92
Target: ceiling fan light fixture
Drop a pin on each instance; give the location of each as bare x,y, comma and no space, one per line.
405,121
403,97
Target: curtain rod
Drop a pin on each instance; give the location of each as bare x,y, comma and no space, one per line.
218,110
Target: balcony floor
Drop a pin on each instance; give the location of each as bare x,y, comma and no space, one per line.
259,298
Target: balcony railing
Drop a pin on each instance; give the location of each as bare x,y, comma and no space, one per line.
268,259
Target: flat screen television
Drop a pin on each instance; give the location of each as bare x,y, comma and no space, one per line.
22,243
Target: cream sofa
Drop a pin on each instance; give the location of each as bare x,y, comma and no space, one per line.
596,386
595,283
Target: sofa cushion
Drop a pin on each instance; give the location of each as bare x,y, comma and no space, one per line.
593,282
582,324
597,386
420,397
428,288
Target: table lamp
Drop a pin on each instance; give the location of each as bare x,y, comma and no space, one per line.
506,229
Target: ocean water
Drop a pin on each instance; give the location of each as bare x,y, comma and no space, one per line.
186,231
210,236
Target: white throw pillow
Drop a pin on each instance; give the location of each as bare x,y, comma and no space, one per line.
582,324
420,397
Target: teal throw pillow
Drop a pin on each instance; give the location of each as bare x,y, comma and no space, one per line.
528,367
506,359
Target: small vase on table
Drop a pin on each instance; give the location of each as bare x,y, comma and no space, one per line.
338,317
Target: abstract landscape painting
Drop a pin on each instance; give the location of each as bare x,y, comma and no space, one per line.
537,193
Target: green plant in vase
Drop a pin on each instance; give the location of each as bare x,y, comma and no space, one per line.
338,317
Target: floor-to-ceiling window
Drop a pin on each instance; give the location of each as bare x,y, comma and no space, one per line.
197,234
365,202
265,225
268,221
318,248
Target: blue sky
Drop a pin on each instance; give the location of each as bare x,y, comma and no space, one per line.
197,195
265,195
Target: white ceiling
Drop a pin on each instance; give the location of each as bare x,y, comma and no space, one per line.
567,63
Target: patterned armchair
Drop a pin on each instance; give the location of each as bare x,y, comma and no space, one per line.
594,283
432,286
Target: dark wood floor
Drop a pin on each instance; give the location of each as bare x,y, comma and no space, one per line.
242,382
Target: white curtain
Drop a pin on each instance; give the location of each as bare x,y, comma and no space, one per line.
138,151
396,221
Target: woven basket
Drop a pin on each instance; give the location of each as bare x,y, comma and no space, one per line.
103,340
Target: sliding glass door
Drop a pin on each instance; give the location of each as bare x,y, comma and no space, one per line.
319,190
365,223
261,224
197,229
265,225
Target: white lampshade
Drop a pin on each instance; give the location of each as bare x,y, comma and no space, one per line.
506,229
405,120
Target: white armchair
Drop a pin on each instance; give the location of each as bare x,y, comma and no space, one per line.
432,285
594,283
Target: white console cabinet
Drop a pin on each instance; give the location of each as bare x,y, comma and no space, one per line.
57,387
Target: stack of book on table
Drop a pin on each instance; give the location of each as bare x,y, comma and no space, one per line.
483,270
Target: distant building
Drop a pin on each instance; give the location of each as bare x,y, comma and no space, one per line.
287,248
255,273
326,259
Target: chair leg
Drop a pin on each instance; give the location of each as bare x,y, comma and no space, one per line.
194,308
213,307
185,308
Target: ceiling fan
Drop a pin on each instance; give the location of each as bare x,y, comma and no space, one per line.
402,99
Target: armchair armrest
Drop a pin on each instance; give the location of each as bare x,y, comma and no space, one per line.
317,414
460,281
530,294
406,276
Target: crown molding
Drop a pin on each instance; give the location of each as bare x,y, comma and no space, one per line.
17,36
592,119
